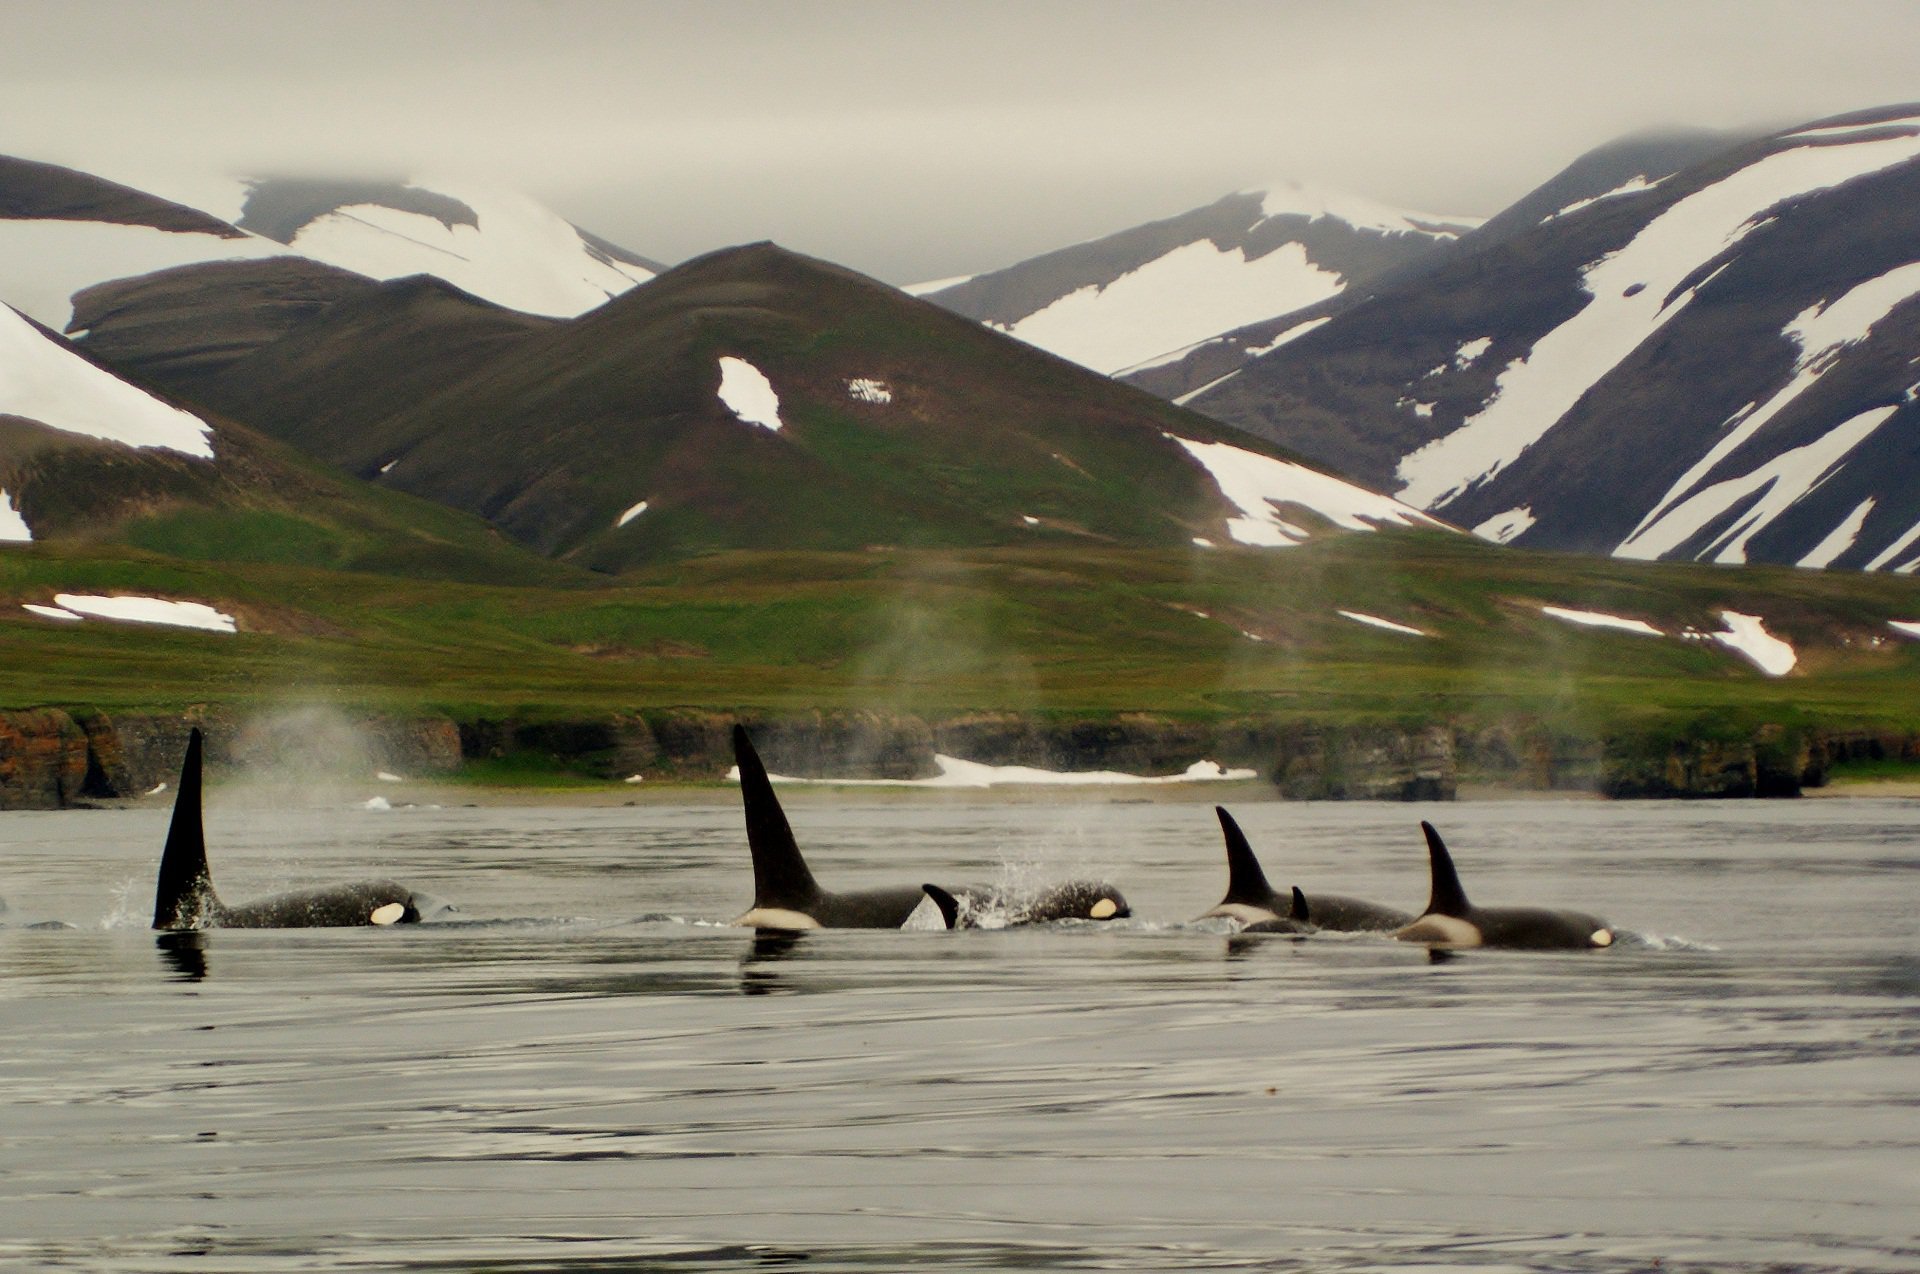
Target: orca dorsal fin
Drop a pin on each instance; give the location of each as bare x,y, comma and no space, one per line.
1447,898
1299,910
1246,883
780,875
184,894
948,904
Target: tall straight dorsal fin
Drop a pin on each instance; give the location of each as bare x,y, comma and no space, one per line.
184,893
1299,910
1246,883
948,904
1447,898
780,875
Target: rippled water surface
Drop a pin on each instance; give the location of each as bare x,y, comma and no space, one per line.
580,1070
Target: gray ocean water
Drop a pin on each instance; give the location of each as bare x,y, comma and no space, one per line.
581,1070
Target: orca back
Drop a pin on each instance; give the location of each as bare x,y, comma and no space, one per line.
184,897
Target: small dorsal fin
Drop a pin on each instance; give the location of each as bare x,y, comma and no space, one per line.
780,875
948,904
1246,883
1447,898
1299,911
184,893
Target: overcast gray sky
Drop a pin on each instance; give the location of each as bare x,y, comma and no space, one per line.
915,139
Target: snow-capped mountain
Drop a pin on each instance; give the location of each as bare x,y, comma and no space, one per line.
1720,364
1144,295
754,398
63,231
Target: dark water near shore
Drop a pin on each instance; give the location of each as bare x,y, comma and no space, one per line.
583,1072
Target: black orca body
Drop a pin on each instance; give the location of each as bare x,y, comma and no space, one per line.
1253,902
184,897
785,894
999,908
1450,921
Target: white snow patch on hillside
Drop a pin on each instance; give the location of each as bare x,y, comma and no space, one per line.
1840,539
1905,627
42,380
1781,482
866,390
748,394
43,263
1194,292
1632,186
1893,551
1821,332
1253,483
1747,636
520,255
52,612
13,527
148,610
937,285
1504,528
1374,621
1600,619
1628,290
630,515
1470,353
1287,198
955,772
1292,334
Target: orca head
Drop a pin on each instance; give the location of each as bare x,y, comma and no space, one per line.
183,896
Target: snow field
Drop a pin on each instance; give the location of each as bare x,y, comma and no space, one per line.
748,394
1253,483
42,380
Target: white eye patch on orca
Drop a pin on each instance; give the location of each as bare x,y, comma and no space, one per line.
1103,909
387,913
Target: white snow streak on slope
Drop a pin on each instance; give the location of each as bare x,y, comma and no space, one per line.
1905,627
630,515
43,263
748,394
1502,528
955,772
13,527
1374,621
1534,392
42,380
521,255
1252,483
1747,635
1193,292
1821,332
1630,187
51,612
1600,619
937,285
1782,480
1841,538
1833,131
148,610
1294,199
1893,551
1216,382
1293,333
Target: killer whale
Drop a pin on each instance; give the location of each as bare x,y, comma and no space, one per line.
184,897
1070,900
1451,921
1253,902
786,895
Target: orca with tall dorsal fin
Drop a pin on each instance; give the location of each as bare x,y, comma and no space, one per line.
1252,901
786,896
184,897
1452,921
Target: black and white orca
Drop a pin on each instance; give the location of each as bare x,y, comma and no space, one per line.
184,898
786,896
977,908
1450,921
1253,902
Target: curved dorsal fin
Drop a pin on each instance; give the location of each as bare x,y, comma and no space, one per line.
1447,898
1299,911
185,891
780,875
1246,883
948,904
